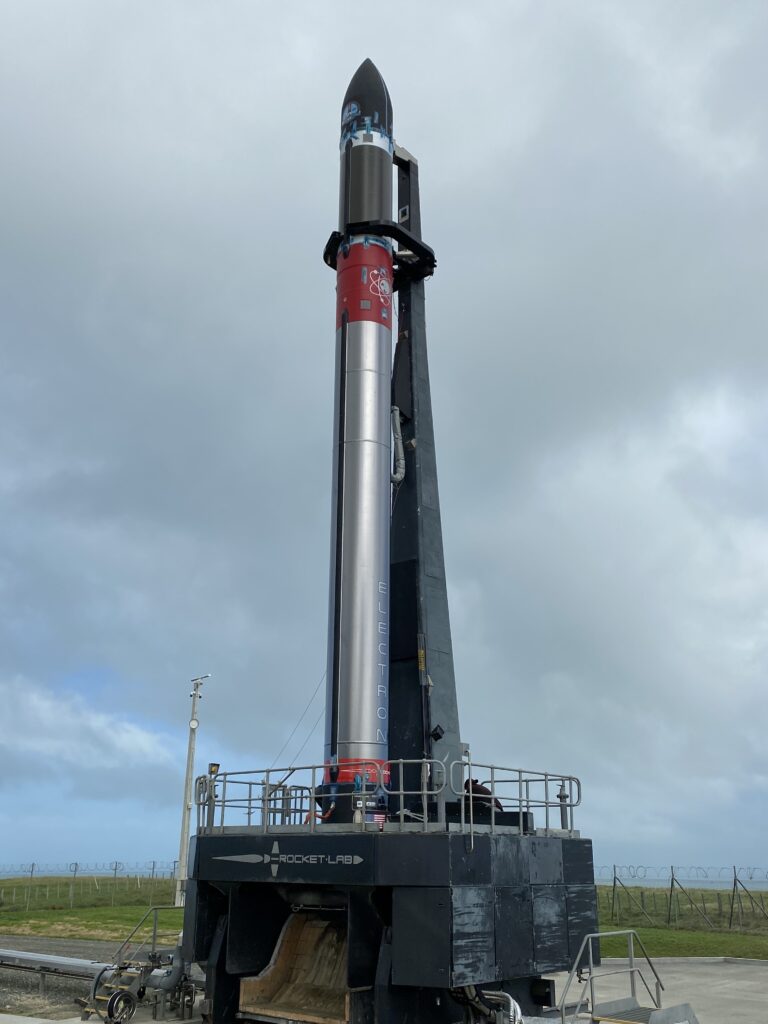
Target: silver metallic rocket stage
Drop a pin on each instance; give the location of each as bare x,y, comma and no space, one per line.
357,706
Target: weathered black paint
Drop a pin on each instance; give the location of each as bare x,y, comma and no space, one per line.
506,906
288,859
473,934
419,597
514,930
249,949
222,989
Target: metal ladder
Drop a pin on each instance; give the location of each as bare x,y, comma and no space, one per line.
588,974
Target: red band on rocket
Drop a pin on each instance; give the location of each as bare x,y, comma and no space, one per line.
364,284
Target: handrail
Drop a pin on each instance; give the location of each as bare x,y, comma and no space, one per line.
589,982
276,798
124,945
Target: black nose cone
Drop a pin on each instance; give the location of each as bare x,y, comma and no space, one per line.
367,102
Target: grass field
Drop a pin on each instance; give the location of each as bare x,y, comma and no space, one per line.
107,908
87,908
682,942
692,910
107,923
57,893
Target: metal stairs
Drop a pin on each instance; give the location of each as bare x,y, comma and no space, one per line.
627,1011
641,1015
641,975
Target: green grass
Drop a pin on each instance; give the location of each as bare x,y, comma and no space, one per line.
107,923
688,934
114,924
681,942
107,908
52,893
688,909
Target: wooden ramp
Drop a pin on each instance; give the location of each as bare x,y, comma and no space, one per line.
306,980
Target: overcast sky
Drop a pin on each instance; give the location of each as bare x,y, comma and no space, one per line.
594,184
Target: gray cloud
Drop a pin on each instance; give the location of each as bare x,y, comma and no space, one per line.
594,185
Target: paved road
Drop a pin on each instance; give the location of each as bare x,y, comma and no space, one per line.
19,990
719,991
87,949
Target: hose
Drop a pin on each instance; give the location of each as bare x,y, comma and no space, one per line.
397,434
515,1013
167,979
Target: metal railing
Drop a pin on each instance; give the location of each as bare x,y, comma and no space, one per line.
148,942
518,790
419,794
588,978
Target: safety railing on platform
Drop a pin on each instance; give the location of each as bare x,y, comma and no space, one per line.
498,791
585,971
422,794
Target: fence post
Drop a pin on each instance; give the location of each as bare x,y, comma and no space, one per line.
115,865
29,887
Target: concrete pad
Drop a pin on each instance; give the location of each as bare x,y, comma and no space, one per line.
15,1018
720,991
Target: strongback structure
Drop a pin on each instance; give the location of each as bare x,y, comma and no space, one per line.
422,684
399,880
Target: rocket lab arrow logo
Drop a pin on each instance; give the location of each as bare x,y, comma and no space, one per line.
277,858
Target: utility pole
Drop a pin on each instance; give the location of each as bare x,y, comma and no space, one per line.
186,811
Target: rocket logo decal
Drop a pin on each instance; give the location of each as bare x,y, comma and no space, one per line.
275,858
350,112
380,286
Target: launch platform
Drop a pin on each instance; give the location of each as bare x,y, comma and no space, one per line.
302,920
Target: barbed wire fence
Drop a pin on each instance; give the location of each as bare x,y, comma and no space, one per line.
144,869
44,886
660,876
630,874
683,897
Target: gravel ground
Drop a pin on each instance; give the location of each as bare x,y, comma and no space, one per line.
19,993
87,949
20,990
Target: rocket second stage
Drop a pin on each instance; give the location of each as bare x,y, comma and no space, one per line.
357,705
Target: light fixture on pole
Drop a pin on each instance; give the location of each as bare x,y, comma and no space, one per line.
194,722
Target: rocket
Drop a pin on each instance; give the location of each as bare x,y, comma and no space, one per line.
357,689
